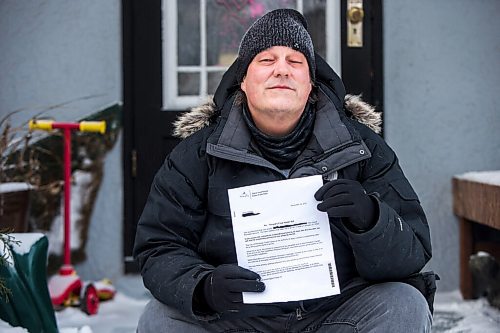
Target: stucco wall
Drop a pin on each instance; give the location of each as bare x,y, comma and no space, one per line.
442,75
59,51
56,51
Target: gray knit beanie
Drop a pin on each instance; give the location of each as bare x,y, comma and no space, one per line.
280,27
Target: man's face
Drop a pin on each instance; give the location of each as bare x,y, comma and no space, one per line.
277,85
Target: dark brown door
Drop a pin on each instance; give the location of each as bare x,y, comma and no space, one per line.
147,129
362,70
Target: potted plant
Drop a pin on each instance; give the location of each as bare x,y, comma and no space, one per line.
18,176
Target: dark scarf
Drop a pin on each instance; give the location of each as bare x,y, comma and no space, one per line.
283,151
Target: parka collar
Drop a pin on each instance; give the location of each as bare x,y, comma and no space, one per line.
333,145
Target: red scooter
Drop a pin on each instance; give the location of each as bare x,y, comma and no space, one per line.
66,288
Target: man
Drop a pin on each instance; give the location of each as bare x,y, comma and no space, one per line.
279,113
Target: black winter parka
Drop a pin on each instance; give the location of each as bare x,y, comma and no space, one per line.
185,229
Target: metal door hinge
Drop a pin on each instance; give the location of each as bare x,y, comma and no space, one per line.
133,160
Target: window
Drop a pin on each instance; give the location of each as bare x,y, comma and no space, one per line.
201,40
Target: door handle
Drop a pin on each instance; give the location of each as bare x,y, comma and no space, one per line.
355,15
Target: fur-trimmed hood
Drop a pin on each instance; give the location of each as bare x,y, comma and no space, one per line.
202,116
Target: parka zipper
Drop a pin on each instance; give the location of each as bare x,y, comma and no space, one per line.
322,157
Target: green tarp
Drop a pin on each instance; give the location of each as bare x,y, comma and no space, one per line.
28,303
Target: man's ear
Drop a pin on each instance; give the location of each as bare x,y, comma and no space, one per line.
243,85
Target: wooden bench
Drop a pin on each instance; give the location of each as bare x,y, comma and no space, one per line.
476,202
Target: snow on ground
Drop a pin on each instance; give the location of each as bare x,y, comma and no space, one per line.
454,315
120,315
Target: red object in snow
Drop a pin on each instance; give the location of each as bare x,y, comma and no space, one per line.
66,288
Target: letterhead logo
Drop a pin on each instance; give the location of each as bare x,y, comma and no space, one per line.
250,194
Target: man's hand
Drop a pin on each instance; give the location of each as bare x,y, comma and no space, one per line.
223,287
347,199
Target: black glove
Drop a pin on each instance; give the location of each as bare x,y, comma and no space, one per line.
347,199
222,288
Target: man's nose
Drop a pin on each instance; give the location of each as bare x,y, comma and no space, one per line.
281,68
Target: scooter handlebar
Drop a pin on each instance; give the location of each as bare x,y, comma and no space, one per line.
44,125
83,126
93,126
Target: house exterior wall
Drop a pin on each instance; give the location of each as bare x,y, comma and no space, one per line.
69,52
58,51
442,75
